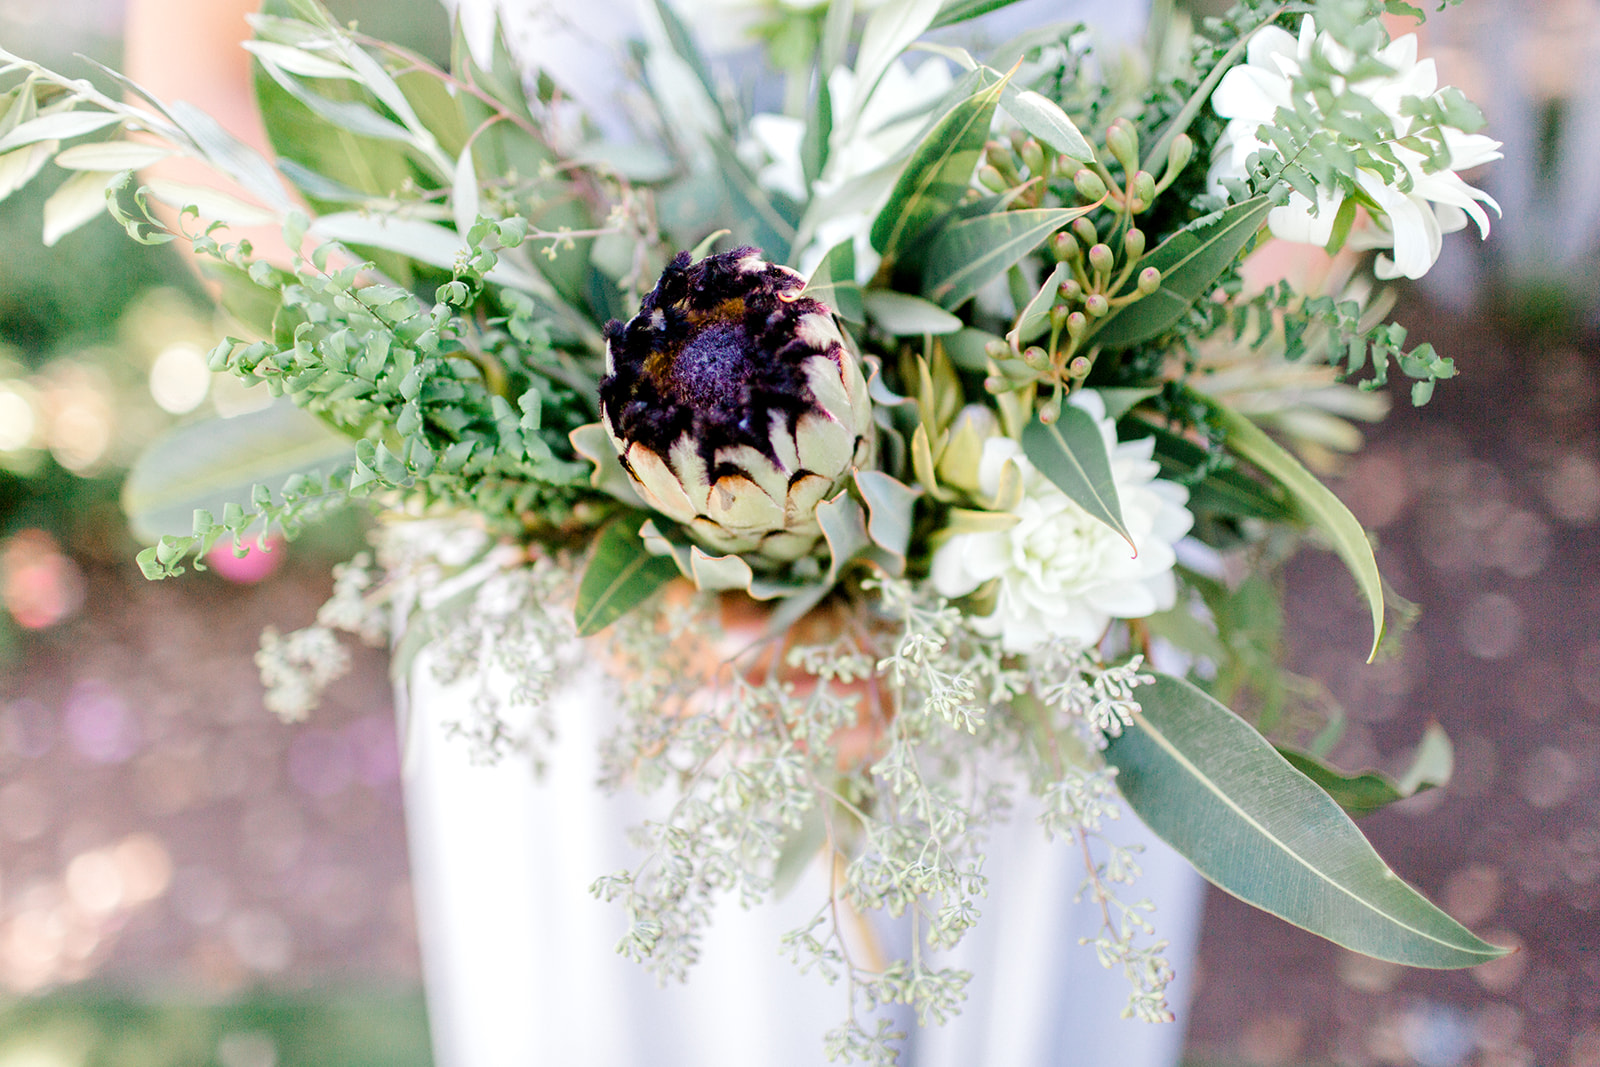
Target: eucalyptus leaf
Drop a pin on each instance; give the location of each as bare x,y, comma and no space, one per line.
1367,792
890,504
213,204
60,126
888,33
1317,502
75,202
1190,262
621,575
112,156
1216,791
682,43
17,168
844,528
955,11
232,156
1045,121
351,115
905,315
1035,316
464,193
969,254
834,283
214,462
1071,452
298,61
938,174
426,242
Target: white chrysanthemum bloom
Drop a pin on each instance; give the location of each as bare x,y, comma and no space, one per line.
1063,573
1415,220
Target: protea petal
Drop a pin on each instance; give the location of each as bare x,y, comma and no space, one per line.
736,404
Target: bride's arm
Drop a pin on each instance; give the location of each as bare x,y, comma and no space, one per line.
190,50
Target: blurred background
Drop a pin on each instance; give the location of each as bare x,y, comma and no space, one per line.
184,880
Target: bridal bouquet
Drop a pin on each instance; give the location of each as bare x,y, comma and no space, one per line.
908,426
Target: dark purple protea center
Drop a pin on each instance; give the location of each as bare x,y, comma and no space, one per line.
715,349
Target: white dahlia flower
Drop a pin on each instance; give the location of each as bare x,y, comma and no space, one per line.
1413,220
1063,573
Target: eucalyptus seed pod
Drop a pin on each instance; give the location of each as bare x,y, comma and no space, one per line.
735,405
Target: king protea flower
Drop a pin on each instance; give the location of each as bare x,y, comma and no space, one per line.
735,405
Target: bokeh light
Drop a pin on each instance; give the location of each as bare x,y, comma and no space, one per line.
256,564
17,419
39,584
80,415
180,378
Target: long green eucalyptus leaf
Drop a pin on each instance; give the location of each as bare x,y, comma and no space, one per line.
209,463
969,254
620,576
1072,454
1369,791
1213,788
1319,505
1190,261
955,11
937,175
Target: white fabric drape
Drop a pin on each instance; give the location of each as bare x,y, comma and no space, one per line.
520,965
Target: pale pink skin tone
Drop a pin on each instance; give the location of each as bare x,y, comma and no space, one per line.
189,50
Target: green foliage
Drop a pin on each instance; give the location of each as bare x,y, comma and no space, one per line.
1367,792
1071,453
440,319
938,174
1319,506
1191,262
620,576
1212,788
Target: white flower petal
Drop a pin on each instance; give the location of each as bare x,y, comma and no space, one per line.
1062,573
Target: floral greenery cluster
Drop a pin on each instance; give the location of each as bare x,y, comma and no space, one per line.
971,402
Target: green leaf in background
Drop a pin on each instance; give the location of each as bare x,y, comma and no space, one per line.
683,45
1215,790
955,11
814,145
1317,502
1044,120
906,316
1072,454
834,283
1364,793
888,32
1035,317
1229,492
620,576
215,462
969,254
939,172
1190,261
59,126
76,201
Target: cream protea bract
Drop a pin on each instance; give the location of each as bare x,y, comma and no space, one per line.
735,405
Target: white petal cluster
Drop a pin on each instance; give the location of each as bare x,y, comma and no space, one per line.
1414,220
1064,574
